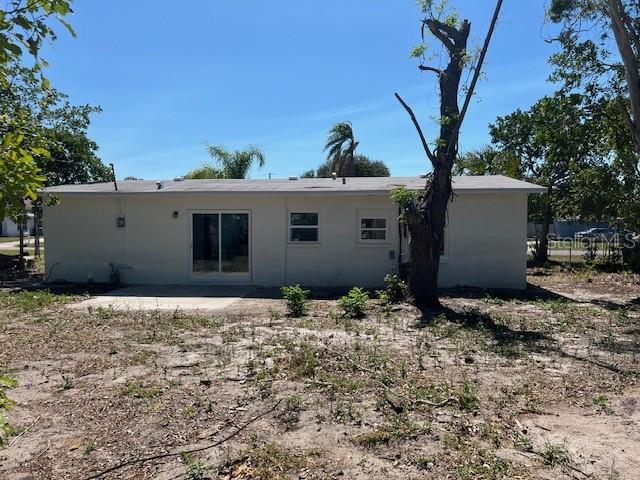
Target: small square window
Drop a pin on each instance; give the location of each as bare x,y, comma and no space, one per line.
373,223
373,229
306,219
373,235
303,227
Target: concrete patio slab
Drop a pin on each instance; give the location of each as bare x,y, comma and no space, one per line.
166,297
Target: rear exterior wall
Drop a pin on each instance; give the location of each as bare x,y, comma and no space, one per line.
485,244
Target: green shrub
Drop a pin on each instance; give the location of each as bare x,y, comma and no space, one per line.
395,289
354,304
296,298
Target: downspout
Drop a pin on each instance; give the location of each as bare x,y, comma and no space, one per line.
399,242
286,237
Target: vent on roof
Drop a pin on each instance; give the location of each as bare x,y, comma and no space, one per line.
158,185
293,178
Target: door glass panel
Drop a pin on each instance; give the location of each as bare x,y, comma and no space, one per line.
235,242
206,254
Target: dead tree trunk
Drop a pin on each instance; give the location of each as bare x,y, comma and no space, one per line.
427,215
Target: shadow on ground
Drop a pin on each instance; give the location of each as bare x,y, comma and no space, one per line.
511,343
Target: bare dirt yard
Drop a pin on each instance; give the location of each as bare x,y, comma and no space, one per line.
543,385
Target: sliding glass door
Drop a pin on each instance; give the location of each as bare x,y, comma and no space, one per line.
220,244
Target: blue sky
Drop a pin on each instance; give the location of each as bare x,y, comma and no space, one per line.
173,76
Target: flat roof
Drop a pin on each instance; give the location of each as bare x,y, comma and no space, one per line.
352,185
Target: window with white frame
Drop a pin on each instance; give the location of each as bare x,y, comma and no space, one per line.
303,227
373,229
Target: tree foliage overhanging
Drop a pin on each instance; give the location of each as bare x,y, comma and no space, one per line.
24,26
599,57
579,142
53,129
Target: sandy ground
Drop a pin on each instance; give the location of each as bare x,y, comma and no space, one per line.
164,297
538,386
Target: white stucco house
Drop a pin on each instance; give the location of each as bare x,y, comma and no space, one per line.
316,232
9,228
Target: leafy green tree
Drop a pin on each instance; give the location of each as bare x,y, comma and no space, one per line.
49,122
600,57
311,173
591,31
236,164
556,142
52,129
53,138
364,167
204,171
488,161
426,212
24,25
19,175
341,147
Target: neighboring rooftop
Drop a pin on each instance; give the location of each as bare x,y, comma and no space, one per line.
351,185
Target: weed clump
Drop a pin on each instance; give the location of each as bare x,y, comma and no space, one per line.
137,389
303,361
290,414
6,404
556,455
33,301
399,429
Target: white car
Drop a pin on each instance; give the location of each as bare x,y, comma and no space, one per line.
600,234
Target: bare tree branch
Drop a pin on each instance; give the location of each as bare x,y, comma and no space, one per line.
478,70
185,451
426,68
449,31
440,35
425,145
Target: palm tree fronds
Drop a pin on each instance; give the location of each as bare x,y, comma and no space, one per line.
219,153
236,164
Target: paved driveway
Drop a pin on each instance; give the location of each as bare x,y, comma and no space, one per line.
166,297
